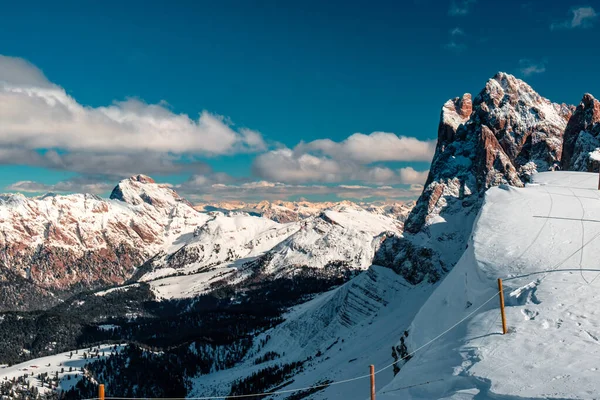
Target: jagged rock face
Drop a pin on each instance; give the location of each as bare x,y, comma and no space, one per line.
455,112
73,242
582,136
502,136
528,127
414,263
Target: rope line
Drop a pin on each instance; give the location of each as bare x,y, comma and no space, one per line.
322,385
412,386
537,236
580,249
443,333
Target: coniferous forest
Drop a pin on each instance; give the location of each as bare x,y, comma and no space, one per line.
169,342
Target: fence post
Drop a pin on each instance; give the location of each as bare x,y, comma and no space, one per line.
501,293
101,391
372,368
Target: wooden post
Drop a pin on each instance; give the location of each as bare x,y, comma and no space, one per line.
101,391
372,368
501,292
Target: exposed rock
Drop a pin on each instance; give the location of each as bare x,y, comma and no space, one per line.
582,136
503,136
63,244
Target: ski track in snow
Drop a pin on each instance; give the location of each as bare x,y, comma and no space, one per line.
551,349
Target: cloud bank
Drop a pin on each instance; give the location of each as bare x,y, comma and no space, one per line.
41,125
327,161
37,114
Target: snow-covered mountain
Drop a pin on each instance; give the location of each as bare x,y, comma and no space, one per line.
503,138
542,240
286,296
229,249
290,211
504,135
582,136
56,245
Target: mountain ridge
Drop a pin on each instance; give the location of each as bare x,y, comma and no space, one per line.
312,291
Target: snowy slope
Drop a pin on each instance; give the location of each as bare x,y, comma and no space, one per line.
343,330
222,249
551,293
55,364
344,233
62,241
290,211
221,239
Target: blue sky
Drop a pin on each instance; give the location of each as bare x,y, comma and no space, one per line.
282,87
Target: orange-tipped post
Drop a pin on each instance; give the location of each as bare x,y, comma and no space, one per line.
101,391
501,292
372,368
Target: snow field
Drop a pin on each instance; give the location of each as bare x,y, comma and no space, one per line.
536,240
54,364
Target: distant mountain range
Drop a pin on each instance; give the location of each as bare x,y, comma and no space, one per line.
212,285
289,211
57,245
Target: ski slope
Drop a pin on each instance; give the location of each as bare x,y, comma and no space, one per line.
543,241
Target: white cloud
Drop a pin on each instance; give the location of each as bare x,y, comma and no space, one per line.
378,146
410,175
212,187
113,165
582,17
288,166
266,190
20,72
41,125
529,67
36,114
68,186
352,159
298,166
460,7
455,43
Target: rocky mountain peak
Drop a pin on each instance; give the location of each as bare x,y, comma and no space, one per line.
582,136
142,178
140,189
455,112
502,136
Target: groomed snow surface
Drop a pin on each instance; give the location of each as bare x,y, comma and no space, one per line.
543,241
